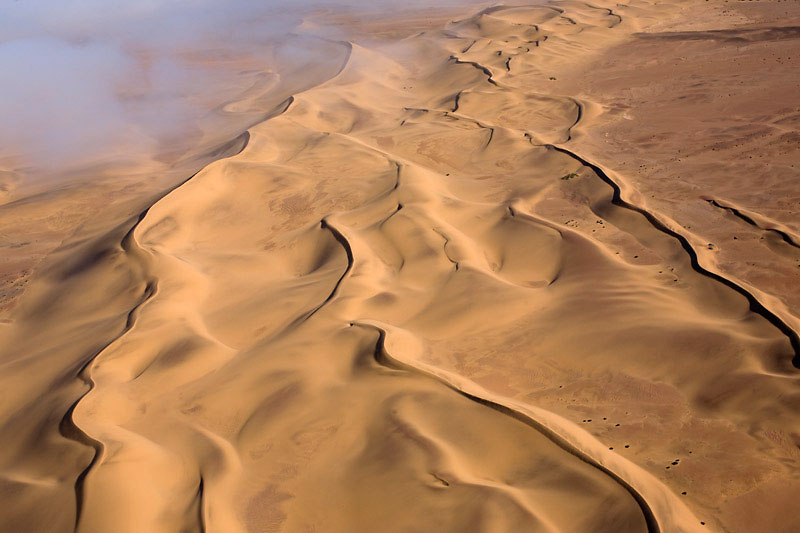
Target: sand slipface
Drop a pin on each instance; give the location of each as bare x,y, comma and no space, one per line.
419,295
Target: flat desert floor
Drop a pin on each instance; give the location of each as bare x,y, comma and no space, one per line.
517,268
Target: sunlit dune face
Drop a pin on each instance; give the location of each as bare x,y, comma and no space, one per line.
343,267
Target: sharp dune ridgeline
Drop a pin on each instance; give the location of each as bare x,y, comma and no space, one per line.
431,289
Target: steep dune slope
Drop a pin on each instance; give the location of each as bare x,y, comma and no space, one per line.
408,304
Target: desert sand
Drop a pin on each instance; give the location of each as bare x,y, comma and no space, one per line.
521,268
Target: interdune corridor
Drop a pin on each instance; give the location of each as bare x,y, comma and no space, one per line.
410,299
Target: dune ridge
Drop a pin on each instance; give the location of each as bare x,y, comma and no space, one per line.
288,336
758,221
132,249
755,305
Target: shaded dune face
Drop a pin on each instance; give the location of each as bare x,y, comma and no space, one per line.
408,304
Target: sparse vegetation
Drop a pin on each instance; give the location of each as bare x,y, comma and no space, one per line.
569,176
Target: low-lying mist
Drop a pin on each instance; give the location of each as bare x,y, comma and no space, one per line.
93,82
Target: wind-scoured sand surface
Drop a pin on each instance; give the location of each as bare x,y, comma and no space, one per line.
458,279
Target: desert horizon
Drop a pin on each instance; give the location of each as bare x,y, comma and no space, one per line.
329,266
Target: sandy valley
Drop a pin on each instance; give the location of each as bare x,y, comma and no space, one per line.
524,267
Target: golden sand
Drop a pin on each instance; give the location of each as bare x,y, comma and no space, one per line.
435,292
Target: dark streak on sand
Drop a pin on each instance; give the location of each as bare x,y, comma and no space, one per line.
385,360
788,239
755,305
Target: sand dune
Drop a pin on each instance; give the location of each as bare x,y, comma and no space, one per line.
411,298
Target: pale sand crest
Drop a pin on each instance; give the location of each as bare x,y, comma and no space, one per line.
414,301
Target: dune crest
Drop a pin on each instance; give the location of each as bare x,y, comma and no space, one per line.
406,300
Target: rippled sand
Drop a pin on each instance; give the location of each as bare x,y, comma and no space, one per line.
418,296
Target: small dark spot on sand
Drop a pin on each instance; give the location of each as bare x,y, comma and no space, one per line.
440,480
